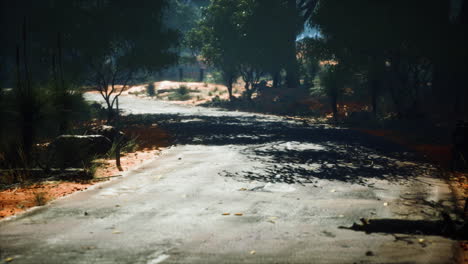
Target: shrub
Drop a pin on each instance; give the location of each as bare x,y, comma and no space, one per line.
183,90
181,94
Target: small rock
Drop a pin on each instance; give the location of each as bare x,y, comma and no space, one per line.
369,253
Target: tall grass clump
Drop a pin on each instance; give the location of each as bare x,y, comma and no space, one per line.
180,94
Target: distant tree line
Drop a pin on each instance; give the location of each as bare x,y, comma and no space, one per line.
404,57
251,39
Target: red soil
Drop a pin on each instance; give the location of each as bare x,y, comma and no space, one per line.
13,201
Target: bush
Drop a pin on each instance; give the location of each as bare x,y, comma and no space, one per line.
36,116
181,94
183,90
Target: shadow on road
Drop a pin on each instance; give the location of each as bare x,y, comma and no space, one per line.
292,152
410,227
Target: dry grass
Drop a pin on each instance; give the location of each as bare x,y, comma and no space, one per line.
40,198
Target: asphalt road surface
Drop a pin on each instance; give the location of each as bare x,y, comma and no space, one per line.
246,188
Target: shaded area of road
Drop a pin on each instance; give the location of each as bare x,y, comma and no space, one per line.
246,188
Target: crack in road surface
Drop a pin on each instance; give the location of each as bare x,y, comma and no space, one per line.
243,188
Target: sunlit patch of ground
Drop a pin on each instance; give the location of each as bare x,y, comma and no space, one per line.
199,92
16,200
150,139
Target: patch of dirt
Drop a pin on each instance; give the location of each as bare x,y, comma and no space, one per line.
13,201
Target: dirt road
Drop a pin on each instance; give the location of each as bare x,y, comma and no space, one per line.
246,188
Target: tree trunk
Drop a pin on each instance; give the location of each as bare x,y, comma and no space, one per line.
374,95
229,77
110,111
117,139
27,104
202,75
229,87
276,79
334,105
248,90
292,67
181,74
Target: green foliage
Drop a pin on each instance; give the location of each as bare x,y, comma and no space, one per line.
215,77
39,114
180,94
128,146
249,38
102,43
181,15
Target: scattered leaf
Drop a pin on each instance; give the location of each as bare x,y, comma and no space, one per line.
238,214
242,189
364,221
10,259
116,232
272,221
341,216
226,213
421,240
385,204
253,252
333,190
